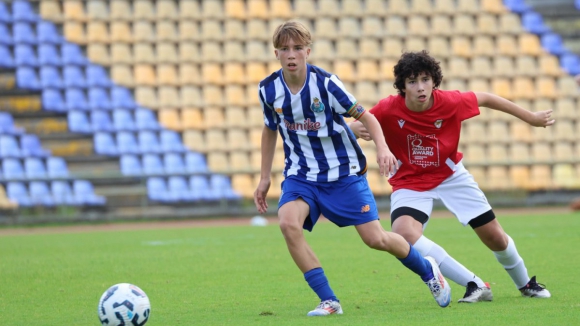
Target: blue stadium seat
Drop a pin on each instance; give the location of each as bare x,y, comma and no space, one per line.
17,192
72,54
48,55
26,78
105,144
34,168
570,63
179,189
201,189
534,23
6,58
56,167
5,15
40,194
97,77
152,165
157,191
577,4
50,77
173,163
23,11
149,142
553,43
130,165
171,142
7,125
46,32
73,77
126,143
62,193
5,35
52,100
222,187
195,163
85,195
23,32
121,98
76,99
79,122
12,169
31,146
517,6
24,55
100,121
99,99
123,120
146,120
9,146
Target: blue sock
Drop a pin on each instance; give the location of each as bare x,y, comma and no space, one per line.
418,264
319,284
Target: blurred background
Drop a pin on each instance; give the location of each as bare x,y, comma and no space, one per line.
132,109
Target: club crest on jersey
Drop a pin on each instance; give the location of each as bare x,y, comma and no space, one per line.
317,106
278,110
438,123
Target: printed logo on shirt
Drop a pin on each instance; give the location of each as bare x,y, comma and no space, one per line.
307,125
423,150
438,123
401,123
317,106
278,110
365,208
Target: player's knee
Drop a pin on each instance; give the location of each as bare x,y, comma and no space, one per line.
290,226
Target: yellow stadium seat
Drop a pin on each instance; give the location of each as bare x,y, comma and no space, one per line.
234,52
213,117
120,10
461,46
549,65
329,8
438,47
445,7
216,140
541,177
369,48
386,88
235,95
542,152
498,178
50,9
503,66
255,72
256,51
529,44
464,25
481,67
441,26
191,96
212,73
97,10
523,87
478,85
194,140
166,10
189,74
167,75
371,27
256,141
121,54
147,97
213,95
374,8
502,87
345,70
542,134
526,66
74,10
235,117
234,73
366,91
98,54
546,87
509,23
252,95
565,131
211,51
143,10
189,10
520,176
519,153
211,9
565,176
493,6
497,131
346,49
144,75
143,31
74,32
478,174
487,24
566,108
325,27
484,46
166,31
564,152
567,86
395,26
167,53
121,32
143,53
475,154
306,9
122,75
414,43
421,7
189,30
455,84
211,30
258,9
169,97
349,27
218,161
458,68
256,116
468,6
352,8
520,131
239,161
237,139
170,119
418,26
368,69
97,32
324,49
234,30
497,153
235,10
192,119
399,8
541,104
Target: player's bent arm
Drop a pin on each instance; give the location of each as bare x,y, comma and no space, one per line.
373,127
359,130
492,101
268,148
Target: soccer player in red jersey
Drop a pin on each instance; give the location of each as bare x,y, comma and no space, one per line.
422,126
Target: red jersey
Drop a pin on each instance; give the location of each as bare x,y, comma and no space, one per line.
425,143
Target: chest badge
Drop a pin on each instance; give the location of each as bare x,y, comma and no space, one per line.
401,123
317,106
438,123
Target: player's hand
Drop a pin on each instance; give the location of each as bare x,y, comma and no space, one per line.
542,119
359,130
260,195
387,161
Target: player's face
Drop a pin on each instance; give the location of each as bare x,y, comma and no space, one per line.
293,57
418,90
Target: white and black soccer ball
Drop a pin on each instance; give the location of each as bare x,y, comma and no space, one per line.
124,304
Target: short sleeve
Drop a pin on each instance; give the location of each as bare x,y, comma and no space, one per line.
270,118
340,100
468,106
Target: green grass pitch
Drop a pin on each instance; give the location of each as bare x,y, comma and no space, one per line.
244,275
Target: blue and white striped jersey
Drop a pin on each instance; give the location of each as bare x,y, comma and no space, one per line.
318,145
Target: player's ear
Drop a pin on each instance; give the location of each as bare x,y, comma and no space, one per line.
307,52
276,53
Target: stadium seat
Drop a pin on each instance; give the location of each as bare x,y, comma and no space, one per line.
127,143
5,16
34,168
104,144
200,187
170,119
195,163
100,121
541,177
85,195
144,53
121,54
120,10
30,145
534,23
121,98
6,58
48,55
169,97
23,11
130,165
72,55
143,10
179,189
123,120
74,76
52,100
167,75
26,78
50,77
222,188
74,32
56,167
157,190
62,193
76,99
166,10
96,76
510,24
9,146
23,33
519,153
17,192
12,169
552,42
24,55
99,99
145,120
79,122
152,165
149,142
74,10
147,97
570,63
97,10
5,35
171,142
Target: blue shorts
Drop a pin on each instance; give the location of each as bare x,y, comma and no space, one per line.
348,201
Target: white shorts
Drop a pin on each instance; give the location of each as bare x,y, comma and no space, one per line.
459,193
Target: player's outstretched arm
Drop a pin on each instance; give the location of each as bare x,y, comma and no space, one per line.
536,119
386,160
269,137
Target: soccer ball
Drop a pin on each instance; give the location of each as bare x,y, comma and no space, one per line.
124,304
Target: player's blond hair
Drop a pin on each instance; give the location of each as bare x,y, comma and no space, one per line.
291,30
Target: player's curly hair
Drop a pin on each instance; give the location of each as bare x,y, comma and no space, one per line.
411,64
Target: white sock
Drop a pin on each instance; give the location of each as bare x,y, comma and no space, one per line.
450,267
513,264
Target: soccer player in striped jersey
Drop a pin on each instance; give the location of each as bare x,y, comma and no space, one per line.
325,167
421,126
